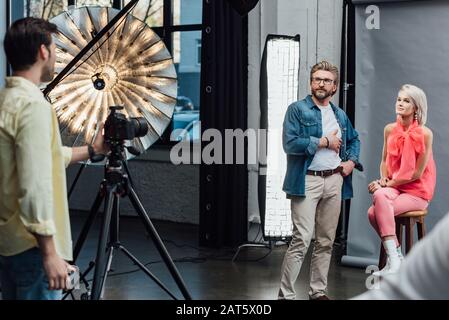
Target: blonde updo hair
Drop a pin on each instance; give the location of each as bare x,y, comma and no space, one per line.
419,99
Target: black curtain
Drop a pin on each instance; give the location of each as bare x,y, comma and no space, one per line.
348,59
224,77
118,4
347,85
8,24
243,6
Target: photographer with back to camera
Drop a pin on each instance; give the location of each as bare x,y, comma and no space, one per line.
35,236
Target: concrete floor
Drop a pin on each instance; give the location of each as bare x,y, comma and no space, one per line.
208,274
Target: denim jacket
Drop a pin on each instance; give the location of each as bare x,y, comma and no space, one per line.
301,134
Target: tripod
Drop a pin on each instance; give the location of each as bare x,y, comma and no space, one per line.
114,186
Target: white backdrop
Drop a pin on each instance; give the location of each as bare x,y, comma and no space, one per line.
410,46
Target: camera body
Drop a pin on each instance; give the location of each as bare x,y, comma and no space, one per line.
73,279
119,128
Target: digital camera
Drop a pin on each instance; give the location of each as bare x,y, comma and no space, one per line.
118,128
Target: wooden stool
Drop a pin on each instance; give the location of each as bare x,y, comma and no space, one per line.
408,220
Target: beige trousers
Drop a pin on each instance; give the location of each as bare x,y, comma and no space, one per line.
319,210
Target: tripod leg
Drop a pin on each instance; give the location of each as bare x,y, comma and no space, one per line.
158,242
90,219
113,239
100,266
106,270
125,164
147,272
78,175
114,228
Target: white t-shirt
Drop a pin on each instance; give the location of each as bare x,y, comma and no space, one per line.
327,159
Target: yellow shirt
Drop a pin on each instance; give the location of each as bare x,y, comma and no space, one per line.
33,196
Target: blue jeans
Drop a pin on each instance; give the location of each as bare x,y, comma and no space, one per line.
23,277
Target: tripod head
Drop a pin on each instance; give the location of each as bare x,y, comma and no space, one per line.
117,129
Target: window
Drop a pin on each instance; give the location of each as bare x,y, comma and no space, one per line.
198,51
187,12
187,113
46,9
150,11
181,32
101,3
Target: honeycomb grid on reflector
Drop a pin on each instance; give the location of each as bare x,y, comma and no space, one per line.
130,66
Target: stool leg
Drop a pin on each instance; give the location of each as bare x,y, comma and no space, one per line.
409,234
421,229
382,257
399,232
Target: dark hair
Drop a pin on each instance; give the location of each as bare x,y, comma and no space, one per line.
23,40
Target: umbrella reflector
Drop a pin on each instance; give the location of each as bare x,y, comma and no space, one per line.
130,66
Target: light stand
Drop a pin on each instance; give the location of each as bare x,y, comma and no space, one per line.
279,83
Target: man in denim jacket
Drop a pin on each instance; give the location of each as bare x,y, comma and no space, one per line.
322,150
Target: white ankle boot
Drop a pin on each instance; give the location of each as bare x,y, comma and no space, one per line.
401,257
394,259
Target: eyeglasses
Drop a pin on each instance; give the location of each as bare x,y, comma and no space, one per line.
318,81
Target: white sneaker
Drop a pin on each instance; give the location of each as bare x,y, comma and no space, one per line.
400,253
390,268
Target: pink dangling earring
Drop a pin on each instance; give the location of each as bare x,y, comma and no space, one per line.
416,116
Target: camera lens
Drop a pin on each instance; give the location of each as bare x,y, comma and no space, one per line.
140,127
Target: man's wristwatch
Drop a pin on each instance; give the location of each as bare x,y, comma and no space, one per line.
91,151
93,156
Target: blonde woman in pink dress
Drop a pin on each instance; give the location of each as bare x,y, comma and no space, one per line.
407,172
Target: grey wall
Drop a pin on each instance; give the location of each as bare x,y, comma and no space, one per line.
318,22
168,192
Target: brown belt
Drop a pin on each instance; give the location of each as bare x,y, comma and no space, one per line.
325,173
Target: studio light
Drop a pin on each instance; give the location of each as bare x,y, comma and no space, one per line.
130,66
279,88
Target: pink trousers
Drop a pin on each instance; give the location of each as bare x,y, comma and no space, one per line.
388,203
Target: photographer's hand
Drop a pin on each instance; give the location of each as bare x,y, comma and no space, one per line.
99,146
55,267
